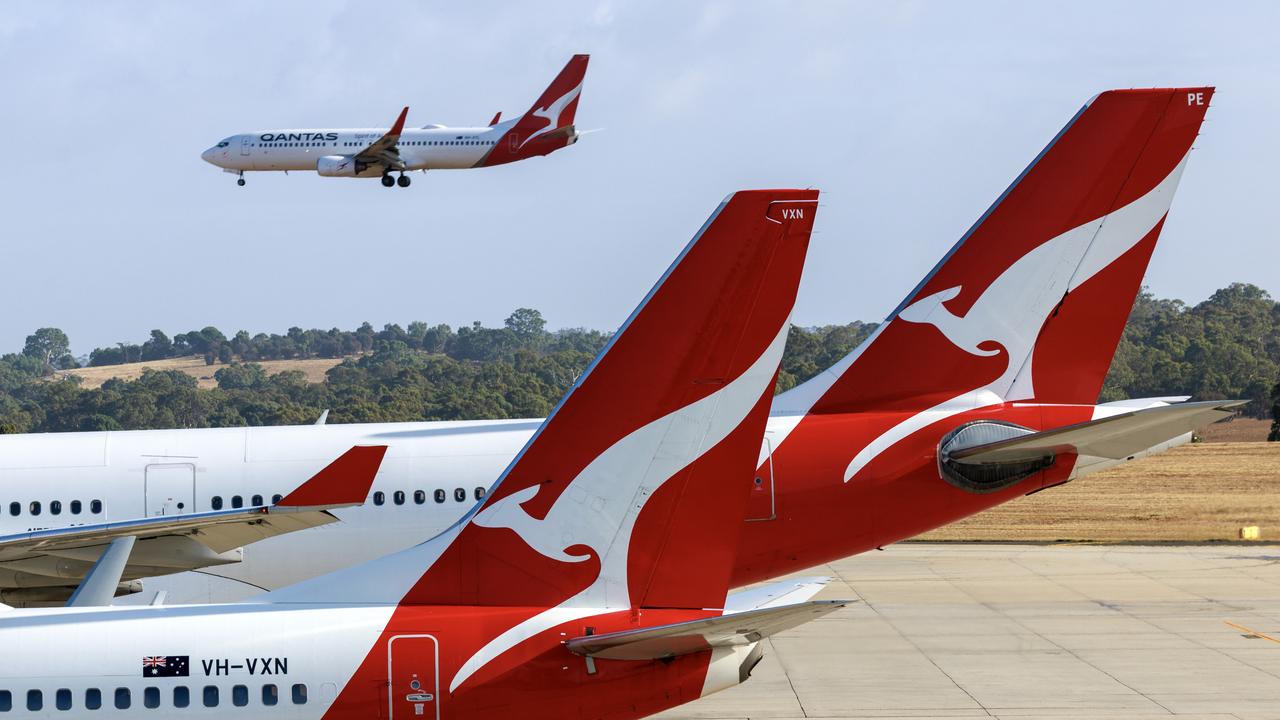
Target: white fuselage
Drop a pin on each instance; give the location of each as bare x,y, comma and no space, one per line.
432,148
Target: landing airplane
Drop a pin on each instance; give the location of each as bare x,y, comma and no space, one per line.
591,583
367,153
980,388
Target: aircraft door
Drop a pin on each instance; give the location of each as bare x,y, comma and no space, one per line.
244,145
761,505
413,690
170,489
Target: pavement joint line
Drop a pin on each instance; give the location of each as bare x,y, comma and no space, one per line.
1254,633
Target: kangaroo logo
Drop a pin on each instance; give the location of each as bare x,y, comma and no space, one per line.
552,113
1008,315
599,507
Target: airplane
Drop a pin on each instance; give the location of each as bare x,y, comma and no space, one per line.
368,153
981,387
591,583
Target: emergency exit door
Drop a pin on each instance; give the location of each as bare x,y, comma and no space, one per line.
171,489
413,686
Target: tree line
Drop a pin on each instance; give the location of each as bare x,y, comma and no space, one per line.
1225,347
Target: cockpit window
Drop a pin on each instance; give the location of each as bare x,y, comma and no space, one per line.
224,143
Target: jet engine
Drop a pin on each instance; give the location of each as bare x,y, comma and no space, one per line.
340,166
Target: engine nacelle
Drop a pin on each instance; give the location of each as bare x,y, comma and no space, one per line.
339,166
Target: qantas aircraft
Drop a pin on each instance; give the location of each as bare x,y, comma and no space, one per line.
591,583
367,153
980,388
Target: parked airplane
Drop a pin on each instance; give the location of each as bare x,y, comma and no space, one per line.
980,388
366,153
592,582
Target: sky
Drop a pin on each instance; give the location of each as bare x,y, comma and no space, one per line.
911,117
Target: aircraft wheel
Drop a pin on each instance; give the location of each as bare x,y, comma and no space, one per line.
403,181
388,181
240,182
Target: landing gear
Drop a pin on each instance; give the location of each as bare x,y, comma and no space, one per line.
388,181
403,180
240,180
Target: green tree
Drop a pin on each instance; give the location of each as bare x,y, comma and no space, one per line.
49,345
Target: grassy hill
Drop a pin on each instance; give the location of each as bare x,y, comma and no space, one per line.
195,366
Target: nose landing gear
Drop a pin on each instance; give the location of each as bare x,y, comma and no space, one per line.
240,180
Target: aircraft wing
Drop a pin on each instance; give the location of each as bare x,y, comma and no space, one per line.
383,151
1116,437
683,638
343,483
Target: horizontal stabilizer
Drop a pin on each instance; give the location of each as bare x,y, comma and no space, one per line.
1116,437
732,629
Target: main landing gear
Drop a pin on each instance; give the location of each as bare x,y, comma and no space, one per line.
402,181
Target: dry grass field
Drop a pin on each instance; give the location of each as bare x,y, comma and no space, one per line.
1198,492
194,366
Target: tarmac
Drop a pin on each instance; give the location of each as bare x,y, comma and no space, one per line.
1029,632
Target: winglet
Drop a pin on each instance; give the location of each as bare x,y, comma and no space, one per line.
497,116
345,481
395,129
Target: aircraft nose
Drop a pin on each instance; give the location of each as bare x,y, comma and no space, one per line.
208,155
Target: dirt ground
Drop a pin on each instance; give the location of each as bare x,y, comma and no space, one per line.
194,366
1197,492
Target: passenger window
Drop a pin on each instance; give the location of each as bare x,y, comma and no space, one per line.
15,509
76,507
439,495
6,701
239,695
55,507
237,501
123,699
92,699
299,694
95,507
35,507
459,494
257,500
398,497
479,493
270,695
275,499
216,503
211,696
181,696
62,699
35,700
379,498
151,697
419,497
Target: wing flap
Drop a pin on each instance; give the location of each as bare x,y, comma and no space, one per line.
1115,437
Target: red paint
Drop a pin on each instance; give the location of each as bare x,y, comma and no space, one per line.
345,481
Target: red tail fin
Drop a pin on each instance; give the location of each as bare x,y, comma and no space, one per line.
548,125
1031,302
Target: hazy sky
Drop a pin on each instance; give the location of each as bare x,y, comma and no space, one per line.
911,117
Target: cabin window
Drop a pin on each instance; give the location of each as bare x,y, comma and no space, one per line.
15,509
299,694
35,700
275,499
479,494
6,701
459,494
211,696
55,507
181,696
419,497
76,507
237,501
257,500
379,498
216,503
151,697
95,507
240,695
92,699
62,699
439,494
35,507
123,699
270,695
398,497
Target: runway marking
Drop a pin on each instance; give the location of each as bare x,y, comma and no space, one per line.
1254,633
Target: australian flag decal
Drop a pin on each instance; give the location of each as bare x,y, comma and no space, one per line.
166,666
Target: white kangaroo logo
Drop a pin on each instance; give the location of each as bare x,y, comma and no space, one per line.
1015,306
552,112
599,507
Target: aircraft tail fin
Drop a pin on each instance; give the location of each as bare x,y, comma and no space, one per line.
548,125
1031,302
